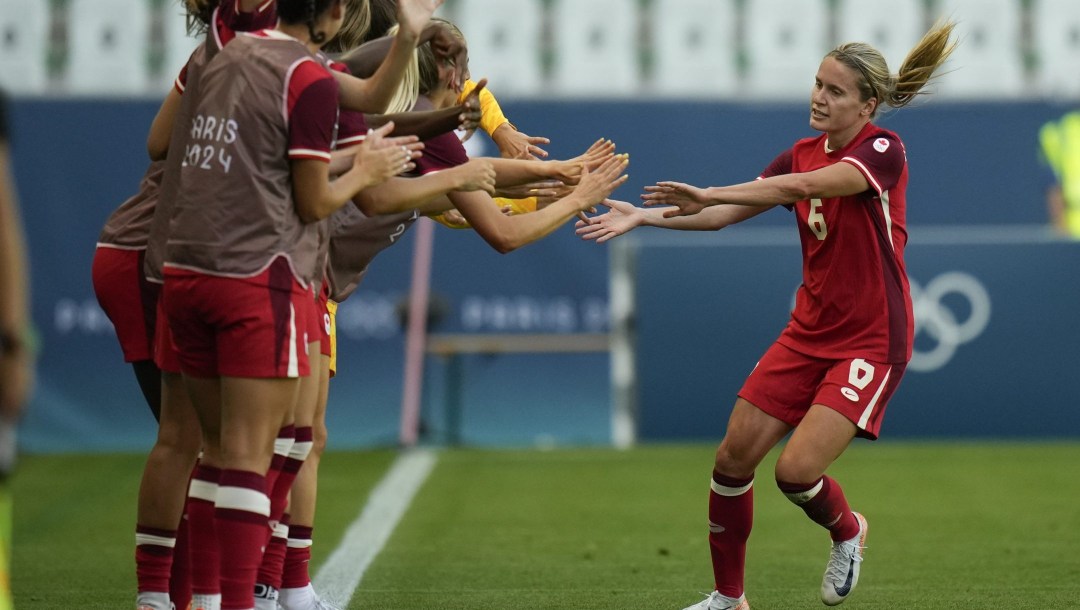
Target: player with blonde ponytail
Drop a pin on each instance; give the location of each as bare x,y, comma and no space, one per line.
829,375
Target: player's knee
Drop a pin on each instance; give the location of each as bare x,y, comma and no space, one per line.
733,463
790,471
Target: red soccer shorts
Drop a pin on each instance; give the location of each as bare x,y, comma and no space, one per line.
240,327
785,383
127,298
165,356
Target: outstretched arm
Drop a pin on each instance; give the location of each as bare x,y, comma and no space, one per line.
505,233
836,180
623,217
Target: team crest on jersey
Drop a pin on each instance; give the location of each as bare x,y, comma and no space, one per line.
881,145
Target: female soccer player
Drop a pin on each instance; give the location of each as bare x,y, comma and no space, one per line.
240,253
131,302
833,369
359,233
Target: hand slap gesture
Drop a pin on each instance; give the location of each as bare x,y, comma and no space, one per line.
382,157
621,217
688,199
596,186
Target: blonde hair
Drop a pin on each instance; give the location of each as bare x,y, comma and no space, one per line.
408,90
897,90
354,30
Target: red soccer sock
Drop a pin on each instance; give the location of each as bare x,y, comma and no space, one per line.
824,502
202,530
273,562
153,558
180,579
731,516
279,494
282,445
241,516
297,557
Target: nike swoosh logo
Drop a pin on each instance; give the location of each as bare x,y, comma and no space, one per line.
716,529
844,590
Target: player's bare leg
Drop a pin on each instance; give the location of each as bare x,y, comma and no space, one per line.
817,442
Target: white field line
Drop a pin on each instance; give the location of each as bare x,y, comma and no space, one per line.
337,579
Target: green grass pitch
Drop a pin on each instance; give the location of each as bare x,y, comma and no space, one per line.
952,525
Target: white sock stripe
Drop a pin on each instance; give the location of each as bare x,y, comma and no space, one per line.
281,530
150,539
242,498
282,446
724,490
203,490
300,450
298,543
802,497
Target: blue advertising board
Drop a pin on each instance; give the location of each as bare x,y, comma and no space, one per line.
76,160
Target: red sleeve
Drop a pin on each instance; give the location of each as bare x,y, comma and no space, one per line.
780,165
312,111
441,152
352,126
881,161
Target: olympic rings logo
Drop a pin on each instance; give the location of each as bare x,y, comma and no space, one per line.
935,319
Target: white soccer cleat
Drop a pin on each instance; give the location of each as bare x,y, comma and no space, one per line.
153,601
715,601
842,573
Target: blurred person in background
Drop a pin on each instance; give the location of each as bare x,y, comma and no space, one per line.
830,374
1059,144
16,344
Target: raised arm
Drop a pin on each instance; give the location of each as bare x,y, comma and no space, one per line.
375,93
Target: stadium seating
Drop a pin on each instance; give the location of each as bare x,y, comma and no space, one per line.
891,26
988,62
596,48
178,45
785,41
504,43
108,47
1056,41
695,48
24,40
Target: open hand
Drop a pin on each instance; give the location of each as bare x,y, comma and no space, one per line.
621,217
688,199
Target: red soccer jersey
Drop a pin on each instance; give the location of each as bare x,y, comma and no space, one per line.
352,126
854,301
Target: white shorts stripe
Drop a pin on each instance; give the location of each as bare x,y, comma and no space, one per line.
242,498
724,490
294,361
873,401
